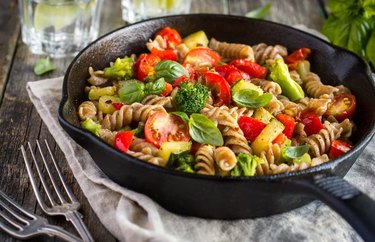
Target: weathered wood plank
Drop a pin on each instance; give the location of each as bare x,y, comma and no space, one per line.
9,32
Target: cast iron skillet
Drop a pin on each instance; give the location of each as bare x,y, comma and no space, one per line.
232,197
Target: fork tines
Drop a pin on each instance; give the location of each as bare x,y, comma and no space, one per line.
56,188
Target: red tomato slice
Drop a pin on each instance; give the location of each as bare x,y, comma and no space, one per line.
251,68
179,80
145,65
202,57
220,88
297,56
165,54
123,139
168,89
231,73
311,121
288,122
250,127
342,107
171,35
338,148
161,127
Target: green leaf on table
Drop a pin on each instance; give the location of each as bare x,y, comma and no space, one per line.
43,65
370,49
259,13
344,8
369,7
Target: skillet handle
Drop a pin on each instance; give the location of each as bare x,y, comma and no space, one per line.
357,208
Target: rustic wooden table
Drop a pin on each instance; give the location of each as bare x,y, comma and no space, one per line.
19,121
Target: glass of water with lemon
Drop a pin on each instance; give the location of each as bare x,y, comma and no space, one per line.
136,10
59,28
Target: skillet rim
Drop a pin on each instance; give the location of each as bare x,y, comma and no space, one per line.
325,167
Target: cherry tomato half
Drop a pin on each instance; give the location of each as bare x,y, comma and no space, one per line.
311,121
220,88
145,65
342,107
161,127
231,73
297,56
168,89
170,35
202,57
123,139
250,127
251,68
338,148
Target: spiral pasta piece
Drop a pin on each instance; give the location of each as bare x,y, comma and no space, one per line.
205,163
159,43
107,135
268,86
87,110
96,77
271,156
291,108
321,142
182,51
264,52
225,158
147,157
296,77
275,106
166,102
232,50
141,145
127,114
315,88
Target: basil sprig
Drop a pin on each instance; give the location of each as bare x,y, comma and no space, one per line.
134,91
251,98
169,70
291,152
182,115
204,131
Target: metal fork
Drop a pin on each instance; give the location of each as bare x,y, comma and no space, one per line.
23,225
62,207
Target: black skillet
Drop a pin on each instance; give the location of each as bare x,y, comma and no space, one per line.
230,197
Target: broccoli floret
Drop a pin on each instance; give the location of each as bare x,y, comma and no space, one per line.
246,165
191,97
121,69
182,162
91,126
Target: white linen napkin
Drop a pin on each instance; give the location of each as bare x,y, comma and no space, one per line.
131,216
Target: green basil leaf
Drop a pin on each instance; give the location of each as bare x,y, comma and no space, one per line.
170,70
344,8
259,13
369,7
204,131
370,49
291,152
251,99
155,87
132,91
182,115
43,65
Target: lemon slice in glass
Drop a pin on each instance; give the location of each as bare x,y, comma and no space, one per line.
58,16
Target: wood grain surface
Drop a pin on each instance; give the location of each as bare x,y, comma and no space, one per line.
19,121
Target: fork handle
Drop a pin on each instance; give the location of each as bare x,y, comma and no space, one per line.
59,232
76,219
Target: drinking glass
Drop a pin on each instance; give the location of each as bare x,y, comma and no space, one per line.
59,28
136,10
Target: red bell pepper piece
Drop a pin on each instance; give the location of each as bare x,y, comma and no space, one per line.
220,87
117,106
297,56
165,54
123,139
168,89
338,148
288,122
231,73
311,121
250,127
251,68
